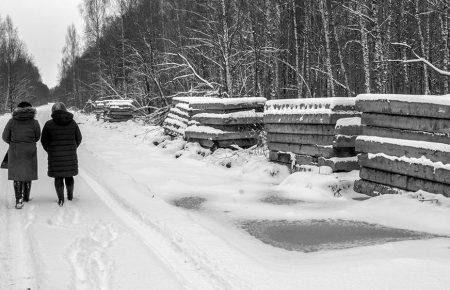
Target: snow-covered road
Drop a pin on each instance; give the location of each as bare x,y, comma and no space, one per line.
122,231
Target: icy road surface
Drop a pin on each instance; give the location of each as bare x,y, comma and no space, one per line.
143,219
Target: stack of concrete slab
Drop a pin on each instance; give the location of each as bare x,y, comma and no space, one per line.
405,144
304,132
118,110
221,123
179,117
99,108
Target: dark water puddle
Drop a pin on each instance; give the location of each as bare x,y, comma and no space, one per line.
318,235
361,198
190,202
278,200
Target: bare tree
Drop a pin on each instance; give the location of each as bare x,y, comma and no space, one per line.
12,50
94,12
326,31
71,52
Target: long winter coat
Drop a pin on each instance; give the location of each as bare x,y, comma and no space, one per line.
61,137
21,133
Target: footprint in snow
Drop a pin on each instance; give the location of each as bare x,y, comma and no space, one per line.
65,216
92,266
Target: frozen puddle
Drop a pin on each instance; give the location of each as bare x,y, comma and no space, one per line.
190,202
318,235
278,200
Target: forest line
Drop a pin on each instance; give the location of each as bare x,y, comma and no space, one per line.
152,50
20,79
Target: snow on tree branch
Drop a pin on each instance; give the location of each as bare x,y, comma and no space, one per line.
419,59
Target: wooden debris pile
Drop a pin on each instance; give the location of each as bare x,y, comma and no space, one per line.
405,144
308,132
217,122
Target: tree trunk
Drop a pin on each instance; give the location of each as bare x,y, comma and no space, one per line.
426,86
341,59
379,86
8,85
404,23
297,51
124,81
305,53
226,50
277,71
365,46
446,51
326,31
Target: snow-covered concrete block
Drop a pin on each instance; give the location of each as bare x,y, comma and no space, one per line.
317,105
344,141
406,134
404,182
374,189
405,105
436,152
236,118
229,115
290,158
314,129
432,125
312,150
349,126
340,164
308,117
205,132
211,103
300,139
422,168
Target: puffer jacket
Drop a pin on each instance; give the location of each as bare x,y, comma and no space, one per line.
21,133
61,137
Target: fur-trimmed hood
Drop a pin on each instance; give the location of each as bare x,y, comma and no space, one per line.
23,114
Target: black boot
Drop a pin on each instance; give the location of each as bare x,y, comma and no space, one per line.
26,191
69,186
70,192
59,186
18,192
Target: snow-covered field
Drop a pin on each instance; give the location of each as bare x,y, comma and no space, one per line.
123,230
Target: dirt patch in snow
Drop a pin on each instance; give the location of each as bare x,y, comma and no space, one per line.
279,200
190,202
319,235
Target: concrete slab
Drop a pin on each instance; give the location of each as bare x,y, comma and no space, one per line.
421,171
407,123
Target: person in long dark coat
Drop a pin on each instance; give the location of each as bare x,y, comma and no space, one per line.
61,137
21,133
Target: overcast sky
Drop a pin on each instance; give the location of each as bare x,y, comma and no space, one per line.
42,26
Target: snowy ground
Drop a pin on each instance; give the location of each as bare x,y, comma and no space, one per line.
123,230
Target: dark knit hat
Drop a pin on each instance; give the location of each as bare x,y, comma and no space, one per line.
59,106
24,105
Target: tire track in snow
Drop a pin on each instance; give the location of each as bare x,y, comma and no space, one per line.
194,272
19,257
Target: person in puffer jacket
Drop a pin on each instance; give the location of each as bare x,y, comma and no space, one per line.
61,137
21,133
